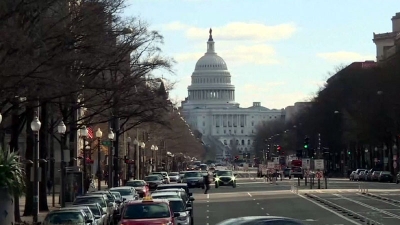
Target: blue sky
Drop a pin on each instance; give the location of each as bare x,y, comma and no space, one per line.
277,51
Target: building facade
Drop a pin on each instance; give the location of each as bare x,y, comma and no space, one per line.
385,41
211,109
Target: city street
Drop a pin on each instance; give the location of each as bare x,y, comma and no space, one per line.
256,198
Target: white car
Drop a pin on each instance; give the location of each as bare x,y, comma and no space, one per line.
127,193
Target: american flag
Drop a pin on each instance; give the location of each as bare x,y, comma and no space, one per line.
90,132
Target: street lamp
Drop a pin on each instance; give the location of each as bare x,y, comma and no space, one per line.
99,134
136,158
152,156
111,136
35,126
141,150
128,152
61,128
84,133
1,118
156,157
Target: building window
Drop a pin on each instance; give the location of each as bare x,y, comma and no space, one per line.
237,141
230,132
242,131
217,131
248,142
225,143
252,131
230,142
242,142
204,124
252,123
234,131
224,131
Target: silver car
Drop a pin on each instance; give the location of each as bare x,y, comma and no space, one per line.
70,216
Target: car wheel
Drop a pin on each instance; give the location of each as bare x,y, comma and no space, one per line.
234,185
191,220
216,185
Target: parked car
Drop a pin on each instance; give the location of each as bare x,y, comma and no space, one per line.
385,176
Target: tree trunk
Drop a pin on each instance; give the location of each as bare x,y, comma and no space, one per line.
29,156
43,154
6,207
15,131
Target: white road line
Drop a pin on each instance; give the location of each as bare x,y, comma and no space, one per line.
208,217
258,203
262,208
208,210
249,194
267,214
379,200
208,205
327,209
254,199
208,201
208,195
208,224
370,207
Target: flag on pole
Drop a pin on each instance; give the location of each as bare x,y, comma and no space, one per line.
90,132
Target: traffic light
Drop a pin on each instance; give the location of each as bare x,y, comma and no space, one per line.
299,153
348,152
128,161
306,140
278,148
236,158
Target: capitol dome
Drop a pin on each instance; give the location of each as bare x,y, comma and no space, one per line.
211,60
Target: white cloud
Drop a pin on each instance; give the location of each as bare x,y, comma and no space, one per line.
344,56
253,54
175,26
237,31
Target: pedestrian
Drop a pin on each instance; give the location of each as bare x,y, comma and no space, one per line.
49,186
206,180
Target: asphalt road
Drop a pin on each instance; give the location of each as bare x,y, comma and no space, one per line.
256,198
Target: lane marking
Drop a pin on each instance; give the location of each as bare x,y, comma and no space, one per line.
254,199
208,217
330,210
208,211
208,224
262,208
379,200
208,205
267,214
208,195
258,203
208,201
368,206
249,194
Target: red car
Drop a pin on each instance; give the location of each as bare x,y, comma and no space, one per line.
147,212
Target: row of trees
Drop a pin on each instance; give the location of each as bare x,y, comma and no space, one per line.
354,118
79,62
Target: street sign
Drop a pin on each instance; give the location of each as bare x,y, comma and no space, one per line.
106,143
270,165
306,163
319,164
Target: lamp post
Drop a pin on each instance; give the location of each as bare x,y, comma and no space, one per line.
111,136
141,150
155,156
136,157
35,126
84,133
1,118
152,156
61,128
99,134
128,166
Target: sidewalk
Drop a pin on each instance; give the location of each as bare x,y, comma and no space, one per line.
41,215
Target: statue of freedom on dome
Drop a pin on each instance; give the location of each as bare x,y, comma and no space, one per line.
210,31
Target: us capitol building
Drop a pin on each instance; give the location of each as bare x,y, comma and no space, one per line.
211,109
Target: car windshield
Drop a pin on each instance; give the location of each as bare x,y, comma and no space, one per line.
135,183
152,178
89,200
173,174
166,196
224,173
192,174
146,211
95,210
64,218
123,192
116,194
177,206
